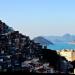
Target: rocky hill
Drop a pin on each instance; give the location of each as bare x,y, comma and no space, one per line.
19,53
42,41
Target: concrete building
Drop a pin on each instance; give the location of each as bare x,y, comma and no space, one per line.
68,54
74,71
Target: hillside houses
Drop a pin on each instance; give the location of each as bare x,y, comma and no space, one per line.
19,53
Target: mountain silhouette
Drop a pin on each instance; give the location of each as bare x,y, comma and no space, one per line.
60,39
42,41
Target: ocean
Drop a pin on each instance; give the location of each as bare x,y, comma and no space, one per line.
61,46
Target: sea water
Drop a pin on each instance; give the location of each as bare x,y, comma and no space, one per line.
61,46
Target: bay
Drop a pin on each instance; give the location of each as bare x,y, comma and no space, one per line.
61,46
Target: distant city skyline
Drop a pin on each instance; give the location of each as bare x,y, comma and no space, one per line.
39,17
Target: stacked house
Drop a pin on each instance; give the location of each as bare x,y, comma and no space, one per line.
19,53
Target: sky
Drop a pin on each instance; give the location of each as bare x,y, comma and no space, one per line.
39,17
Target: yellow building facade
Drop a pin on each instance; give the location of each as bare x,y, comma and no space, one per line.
68,54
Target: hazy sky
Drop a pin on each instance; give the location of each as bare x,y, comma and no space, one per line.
39,17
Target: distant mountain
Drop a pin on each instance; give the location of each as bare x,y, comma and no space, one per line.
54,39
42,41
60,39
67,35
